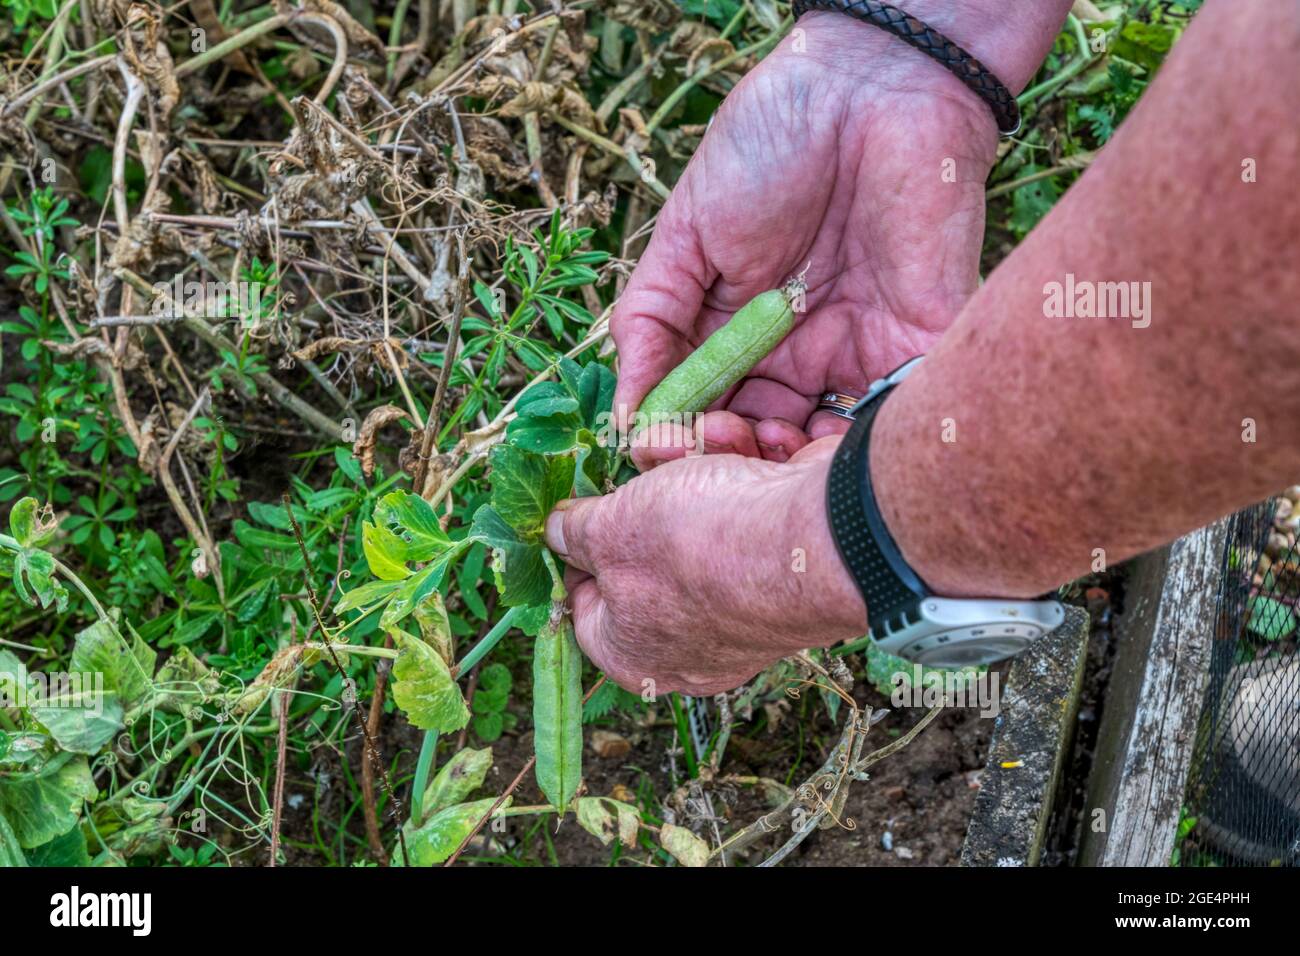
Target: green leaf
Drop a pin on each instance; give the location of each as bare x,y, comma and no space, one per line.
592,469
82,720
423,687
411,593
526,487
66,850
548,419
366,595
47,804
557,711
33,576
494,683
1031,202
251,537
127,670
459,777
11,854
424,536
385,552
489,727
437,839
557,417
517,565
24,748
533,618
468,575
1146,44
607,697
596,394
28,525
1270,618
13,677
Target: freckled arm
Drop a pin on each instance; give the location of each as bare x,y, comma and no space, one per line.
1073,434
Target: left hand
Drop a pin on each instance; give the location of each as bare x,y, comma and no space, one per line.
857,158
702,572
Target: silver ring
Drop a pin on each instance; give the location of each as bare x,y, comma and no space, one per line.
838,403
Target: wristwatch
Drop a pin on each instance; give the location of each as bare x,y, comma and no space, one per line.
907,618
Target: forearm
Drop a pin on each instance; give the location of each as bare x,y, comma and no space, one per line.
1076,434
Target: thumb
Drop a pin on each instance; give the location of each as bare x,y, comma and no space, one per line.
573,532
657,312
594,631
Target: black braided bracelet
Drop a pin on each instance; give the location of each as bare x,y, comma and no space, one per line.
972,72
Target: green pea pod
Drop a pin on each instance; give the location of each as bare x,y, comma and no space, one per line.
724,358
557,710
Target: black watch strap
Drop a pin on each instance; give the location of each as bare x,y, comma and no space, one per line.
888,584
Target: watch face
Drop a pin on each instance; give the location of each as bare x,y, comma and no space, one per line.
953,633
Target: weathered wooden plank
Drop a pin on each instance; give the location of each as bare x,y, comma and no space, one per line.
1031,740
1153,701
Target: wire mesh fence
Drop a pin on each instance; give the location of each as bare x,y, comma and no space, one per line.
1243,796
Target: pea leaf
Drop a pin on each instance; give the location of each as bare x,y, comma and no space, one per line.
605,819
685,847
517,565
30,524
526,486
411,594
11,854
417,522
558,417
596,395
437,839
66,850
41,806
459,777
127,669
366,595
534,617
33,573
423,687
81,719
385,552
557,711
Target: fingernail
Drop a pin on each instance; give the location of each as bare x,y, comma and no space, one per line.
555,529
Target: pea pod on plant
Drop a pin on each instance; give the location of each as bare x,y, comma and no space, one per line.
726,356
557,709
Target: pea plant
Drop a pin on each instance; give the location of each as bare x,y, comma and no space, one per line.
551,451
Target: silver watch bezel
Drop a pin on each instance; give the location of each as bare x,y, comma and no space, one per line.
964,632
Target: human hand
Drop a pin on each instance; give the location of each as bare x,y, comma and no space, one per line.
832,158
699,574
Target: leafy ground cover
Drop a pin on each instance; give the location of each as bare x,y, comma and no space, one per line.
304,328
